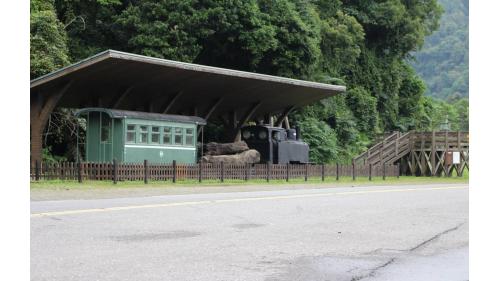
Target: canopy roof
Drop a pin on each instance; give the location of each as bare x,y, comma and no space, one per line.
114,79
121,114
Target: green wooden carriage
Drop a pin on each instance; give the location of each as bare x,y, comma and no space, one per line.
131,136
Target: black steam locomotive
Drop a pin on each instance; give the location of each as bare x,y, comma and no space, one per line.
276,145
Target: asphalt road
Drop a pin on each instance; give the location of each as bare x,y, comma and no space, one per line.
357,233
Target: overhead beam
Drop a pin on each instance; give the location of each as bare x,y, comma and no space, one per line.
213,107
52,100
287,124
120,97
284,115
168,105
237,124
250,112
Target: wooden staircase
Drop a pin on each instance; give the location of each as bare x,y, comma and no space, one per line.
420,153
389,150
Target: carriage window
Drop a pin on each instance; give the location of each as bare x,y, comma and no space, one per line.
155,134
177,135
167,135
143,135
189,137
131,133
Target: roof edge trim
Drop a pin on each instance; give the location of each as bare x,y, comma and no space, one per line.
224,71
181,65
70,68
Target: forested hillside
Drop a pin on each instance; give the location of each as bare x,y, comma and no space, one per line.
443,62
365,45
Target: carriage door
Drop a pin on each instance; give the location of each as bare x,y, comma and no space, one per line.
105,138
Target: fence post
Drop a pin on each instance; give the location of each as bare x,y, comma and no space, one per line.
383,171
268,174
353,170
370,172
337,173
146,171
307,172
397,170
79,170
323,172
221,171
37,170
114,171
247,170
287,172
174,168
200,171
61,170
93,171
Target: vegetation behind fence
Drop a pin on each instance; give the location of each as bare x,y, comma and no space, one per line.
203,171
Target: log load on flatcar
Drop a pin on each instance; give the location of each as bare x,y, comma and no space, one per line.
276,145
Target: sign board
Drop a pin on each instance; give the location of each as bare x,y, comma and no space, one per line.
456,157
448,158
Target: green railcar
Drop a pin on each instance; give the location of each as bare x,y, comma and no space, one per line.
132,137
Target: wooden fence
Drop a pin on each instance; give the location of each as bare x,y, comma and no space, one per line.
173,172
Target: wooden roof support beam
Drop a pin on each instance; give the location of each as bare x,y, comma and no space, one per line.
248,115
168,105
52,100
287,124
269,119
41,108
284,115
118,99
212,108
234,119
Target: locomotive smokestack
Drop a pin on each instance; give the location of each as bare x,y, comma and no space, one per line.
297,130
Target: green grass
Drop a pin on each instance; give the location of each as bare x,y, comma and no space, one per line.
66,184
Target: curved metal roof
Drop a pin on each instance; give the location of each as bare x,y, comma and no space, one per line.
121,114
119,80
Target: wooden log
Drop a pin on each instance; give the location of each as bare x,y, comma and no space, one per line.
250,156
213,148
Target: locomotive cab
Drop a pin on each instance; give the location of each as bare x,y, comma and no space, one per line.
275,144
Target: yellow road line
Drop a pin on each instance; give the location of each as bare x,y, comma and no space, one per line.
189,203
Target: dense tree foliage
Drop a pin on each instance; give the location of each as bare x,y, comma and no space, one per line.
364,45
443,62
48,49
